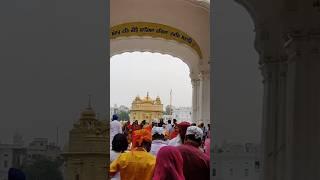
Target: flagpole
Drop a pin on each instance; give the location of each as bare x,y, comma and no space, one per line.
171,103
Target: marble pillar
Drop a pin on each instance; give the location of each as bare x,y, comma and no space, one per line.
204,97
195,99
303,112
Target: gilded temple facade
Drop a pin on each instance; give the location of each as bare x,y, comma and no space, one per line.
87,154
146,109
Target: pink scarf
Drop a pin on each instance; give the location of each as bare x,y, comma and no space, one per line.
169,164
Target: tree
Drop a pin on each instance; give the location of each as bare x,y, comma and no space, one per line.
123,115
43,168
168,110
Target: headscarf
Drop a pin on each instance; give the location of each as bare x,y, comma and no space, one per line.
16,174
183,126
139,136
169,164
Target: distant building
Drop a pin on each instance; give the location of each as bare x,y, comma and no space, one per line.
40,147
86,154
182,114
235,161
166,118
146,109
114,110
17,154
124,109
11,155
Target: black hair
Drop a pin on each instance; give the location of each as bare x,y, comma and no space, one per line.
158,137
143,122
174,120
146,145
191,137
169,121
120,143
193,124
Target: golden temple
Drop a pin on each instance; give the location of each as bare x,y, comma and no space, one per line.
146,109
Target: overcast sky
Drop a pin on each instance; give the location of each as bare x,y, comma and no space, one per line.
137,73
53,54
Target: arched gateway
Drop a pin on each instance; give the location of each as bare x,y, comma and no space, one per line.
179,28
287,40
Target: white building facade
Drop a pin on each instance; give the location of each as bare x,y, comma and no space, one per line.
10,156
182,114
17,154
40,147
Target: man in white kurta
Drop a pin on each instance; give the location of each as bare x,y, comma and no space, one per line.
115,127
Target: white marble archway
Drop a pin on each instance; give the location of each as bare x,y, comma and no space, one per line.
189,16
287,40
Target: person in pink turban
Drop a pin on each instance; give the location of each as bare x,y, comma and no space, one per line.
169,164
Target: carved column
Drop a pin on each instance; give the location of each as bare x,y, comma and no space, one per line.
195,97
303,111
274,118
204,97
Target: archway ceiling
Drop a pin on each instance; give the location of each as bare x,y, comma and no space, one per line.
156,46
190,16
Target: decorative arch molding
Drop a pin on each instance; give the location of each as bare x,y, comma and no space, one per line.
154,30
156,45
204,4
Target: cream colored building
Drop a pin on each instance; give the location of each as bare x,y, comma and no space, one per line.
87,153
146,109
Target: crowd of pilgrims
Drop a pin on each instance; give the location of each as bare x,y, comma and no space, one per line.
159,151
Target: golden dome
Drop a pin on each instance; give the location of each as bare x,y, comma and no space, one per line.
88,113
137,99
147,99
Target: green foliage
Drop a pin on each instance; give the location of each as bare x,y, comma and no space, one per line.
168,110
44,169
124,115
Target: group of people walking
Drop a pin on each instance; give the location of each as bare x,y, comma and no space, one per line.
159,151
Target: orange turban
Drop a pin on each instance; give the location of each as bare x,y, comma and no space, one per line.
139,136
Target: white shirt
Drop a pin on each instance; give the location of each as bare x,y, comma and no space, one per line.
156,145
113,156
175,141
169,128
115,128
